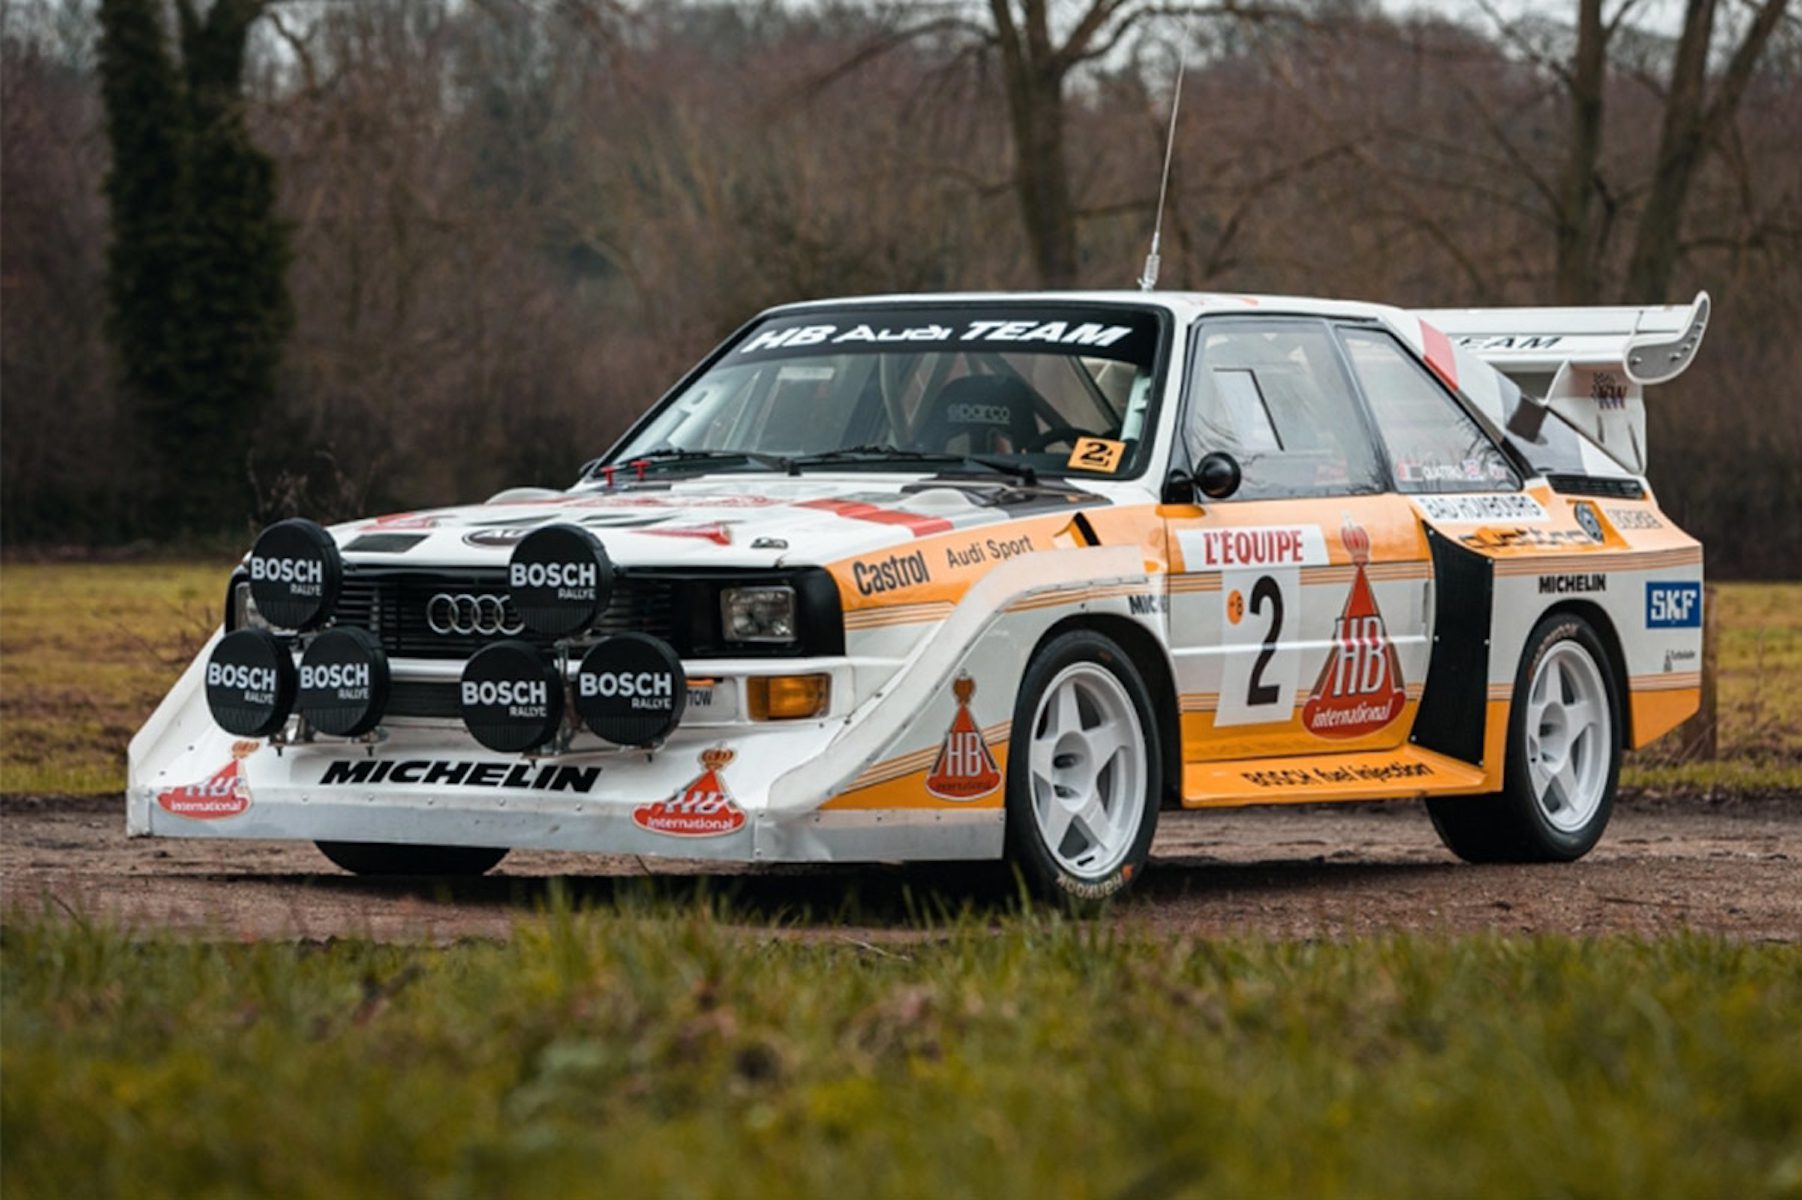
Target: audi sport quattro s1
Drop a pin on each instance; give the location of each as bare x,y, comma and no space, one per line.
988,577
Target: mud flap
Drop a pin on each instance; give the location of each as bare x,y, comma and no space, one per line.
1454,703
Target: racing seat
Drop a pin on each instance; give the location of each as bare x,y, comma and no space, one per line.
994,412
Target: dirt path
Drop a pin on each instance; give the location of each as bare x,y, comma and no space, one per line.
1725,867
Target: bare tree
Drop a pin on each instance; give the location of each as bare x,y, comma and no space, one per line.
1036,67
1695,118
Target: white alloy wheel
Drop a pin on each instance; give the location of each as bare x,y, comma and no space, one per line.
1088,770
1570,743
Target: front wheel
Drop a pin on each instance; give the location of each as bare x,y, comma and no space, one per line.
378,858
1083,772
1564,757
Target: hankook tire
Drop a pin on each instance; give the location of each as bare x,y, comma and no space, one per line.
1564,756
1084,772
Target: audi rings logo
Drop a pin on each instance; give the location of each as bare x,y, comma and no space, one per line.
467,614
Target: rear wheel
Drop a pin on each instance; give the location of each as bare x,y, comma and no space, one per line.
1564,757
377,858
1083,772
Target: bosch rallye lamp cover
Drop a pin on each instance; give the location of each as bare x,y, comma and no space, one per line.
990,576
559,578
250,683
295,574
631,689
343,682
511,697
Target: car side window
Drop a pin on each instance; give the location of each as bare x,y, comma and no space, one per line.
1275,396
1433,444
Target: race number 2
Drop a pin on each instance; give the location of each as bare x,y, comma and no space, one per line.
1260,661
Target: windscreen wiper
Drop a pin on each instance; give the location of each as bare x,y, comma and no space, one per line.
676,454
1020,471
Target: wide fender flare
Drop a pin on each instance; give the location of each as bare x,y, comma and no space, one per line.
929,669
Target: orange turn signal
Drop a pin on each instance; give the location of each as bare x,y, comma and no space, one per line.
788,697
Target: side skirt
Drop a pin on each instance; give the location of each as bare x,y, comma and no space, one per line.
1404,773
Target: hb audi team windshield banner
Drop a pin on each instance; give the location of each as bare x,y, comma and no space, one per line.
1088,331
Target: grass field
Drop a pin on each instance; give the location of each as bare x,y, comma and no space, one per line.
87,650
665,1053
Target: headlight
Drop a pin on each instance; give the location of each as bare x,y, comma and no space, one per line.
244,608
758,614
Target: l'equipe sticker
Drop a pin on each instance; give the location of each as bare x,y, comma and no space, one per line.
1252,546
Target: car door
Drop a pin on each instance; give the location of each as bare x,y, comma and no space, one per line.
1299,605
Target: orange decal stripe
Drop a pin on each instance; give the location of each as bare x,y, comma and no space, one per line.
918,525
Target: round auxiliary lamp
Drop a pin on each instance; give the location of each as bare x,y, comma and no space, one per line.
630,689
342,681
511,694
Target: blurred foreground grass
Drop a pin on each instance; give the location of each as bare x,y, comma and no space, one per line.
87,651
653,1052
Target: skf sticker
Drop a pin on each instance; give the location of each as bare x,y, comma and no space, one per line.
1096,454
702,809
964,770
226,794
1360,686
1673,605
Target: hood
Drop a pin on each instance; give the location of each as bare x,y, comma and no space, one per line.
755,521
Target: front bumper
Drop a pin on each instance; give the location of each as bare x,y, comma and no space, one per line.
704,794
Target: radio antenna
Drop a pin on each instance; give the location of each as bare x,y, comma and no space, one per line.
1149,279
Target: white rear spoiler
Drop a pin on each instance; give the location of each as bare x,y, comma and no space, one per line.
1589,365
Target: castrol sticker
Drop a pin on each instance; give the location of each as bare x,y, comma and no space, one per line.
964,769
225,794
702,809
1252,546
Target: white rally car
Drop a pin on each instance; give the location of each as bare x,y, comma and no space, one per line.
984,577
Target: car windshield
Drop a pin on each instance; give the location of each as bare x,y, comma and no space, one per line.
1017,389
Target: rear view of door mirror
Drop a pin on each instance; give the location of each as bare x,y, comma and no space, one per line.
1218,476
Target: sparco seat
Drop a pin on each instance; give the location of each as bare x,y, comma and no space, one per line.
993,412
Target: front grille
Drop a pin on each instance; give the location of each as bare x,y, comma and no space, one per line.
392,605
1597,485
423,698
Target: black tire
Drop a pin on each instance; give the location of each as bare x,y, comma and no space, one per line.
377,858
1027,853
1512,825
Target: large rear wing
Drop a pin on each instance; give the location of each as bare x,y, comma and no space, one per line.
1591,366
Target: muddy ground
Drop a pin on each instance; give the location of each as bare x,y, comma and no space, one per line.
1730,867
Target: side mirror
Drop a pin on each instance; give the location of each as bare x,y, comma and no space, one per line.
1218,476
1179,488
